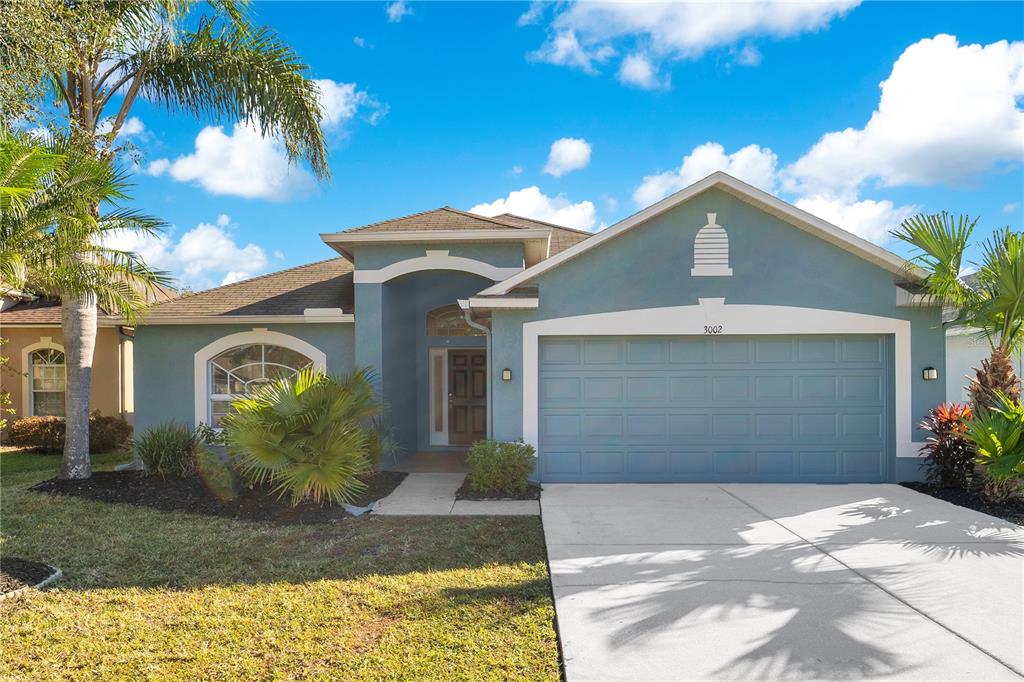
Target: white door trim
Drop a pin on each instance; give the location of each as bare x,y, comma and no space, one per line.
258,335
734,319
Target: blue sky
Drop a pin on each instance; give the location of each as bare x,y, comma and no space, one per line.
461,104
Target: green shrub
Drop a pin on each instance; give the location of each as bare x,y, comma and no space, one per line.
309,437
998,435
106,434
168,449
500,466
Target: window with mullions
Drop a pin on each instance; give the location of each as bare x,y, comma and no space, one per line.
236,371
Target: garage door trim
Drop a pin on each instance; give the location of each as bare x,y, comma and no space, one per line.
712,314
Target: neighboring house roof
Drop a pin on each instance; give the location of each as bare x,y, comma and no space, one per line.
48,311
561,237
322,285
741,190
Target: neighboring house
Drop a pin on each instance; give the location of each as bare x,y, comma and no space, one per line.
718,335
35,375
965,349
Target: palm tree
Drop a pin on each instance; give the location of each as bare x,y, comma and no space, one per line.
212,64
992,303
52,243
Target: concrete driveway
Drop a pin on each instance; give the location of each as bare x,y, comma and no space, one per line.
781,582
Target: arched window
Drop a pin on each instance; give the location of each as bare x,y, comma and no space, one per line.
46,383
238,370
448,320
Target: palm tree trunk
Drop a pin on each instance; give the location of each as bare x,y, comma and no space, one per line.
79,323
996,375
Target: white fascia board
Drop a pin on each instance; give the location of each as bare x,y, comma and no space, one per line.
420,236
434,260
478,303
251,319
773,205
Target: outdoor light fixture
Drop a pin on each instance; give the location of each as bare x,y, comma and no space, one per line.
506,374
930,374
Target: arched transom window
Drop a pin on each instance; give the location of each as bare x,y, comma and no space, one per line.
238,370
47,380
448,320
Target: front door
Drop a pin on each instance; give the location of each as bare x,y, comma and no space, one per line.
467,396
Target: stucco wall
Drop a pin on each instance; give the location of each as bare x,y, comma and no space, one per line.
165,361
964,353
106,394
773,262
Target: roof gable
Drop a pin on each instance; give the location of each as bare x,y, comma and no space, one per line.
741,190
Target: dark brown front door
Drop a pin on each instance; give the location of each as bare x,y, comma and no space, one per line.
467,396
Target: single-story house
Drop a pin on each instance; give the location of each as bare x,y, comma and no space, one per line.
720,334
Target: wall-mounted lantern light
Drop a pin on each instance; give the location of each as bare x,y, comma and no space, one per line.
506,374
930,374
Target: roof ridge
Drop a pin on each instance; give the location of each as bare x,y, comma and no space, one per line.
392,220
544,222
490,219
246,281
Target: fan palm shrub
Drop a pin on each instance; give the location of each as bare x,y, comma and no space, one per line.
993,303
998,436
309,437
84,65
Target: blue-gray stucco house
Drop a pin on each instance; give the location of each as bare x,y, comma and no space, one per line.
718,335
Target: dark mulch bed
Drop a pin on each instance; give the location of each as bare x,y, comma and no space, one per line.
17,573
464,493
198,497
1011,510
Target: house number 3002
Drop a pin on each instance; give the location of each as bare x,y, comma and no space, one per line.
712,329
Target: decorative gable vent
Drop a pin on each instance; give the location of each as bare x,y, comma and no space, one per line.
711,251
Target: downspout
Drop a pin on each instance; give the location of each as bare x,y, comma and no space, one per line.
468,314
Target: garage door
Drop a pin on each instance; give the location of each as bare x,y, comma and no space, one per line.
714,409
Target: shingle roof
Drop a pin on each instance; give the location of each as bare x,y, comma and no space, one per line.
445,218
561,237
326,284
48,311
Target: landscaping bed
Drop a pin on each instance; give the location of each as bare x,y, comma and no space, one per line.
1010,510
464,492
199,496
16,573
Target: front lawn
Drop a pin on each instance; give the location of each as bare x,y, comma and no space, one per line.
172,595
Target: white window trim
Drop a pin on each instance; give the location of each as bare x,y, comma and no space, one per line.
45,342
736,320
215,348
434,261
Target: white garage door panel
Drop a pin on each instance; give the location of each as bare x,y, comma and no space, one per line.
758,408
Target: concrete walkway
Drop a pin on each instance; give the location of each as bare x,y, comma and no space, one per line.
434,495
781,581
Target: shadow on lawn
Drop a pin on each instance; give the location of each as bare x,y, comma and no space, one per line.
788,609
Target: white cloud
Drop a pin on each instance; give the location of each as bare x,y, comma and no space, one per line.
947,113
131,127
397,11
359,41
530,202
341,102
532,15
748,55
869,219
567,154
753,164
585,32
515,170
638,70
1011,207
158,167
242,163
205,256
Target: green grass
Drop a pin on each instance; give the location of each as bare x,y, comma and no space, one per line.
156,595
